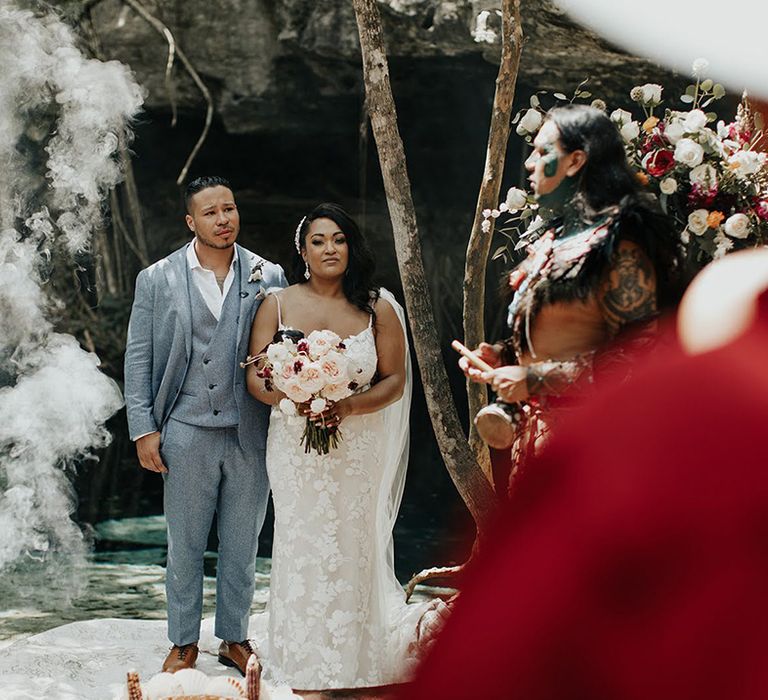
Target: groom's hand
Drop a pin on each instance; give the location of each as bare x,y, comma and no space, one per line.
148,450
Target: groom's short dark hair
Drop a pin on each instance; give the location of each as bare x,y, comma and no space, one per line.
203,183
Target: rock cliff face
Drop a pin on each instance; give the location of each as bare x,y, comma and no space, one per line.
292,64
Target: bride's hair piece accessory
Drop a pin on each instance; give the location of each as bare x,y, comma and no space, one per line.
297,237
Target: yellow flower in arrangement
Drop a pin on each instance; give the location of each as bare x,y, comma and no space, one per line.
642,178
715,218
649,124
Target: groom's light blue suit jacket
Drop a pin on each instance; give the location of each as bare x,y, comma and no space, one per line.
159,344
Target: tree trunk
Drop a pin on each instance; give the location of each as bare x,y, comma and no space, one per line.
472,485
480,242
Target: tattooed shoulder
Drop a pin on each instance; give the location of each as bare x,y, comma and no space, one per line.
628,292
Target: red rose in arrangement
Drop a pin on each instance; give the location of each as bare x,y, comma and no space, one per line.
659,163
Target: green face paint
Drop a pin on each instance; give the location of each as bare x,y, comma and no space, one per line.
550,160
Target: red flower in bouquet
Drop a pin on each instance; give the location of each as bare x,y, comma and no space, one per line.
761,209
659,163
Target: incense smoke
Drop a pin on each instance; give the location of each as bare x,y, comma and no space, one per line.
62,116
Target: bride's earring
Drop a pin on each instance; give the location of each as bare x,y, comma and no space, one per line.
307,274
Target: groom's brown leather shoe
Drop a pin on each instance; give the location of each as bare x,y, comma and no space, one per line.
236,654
180,657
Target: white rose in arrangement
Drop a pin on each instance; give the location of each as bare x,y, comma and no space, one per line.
334,366
630,131
278,353
621,116
694,121
651,93
318,405
288,407
337,392
697,221
700,65
705,176
668,185
322,342
746,163
737,226
311,377
295,392
689,153
531,121
674,131
516,199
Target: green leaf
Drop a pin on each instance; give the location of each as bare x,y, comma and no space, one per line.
711,116
499,252
690,90
559,96
517,118
585,95
707,84
526,214
688,99
535,101
706,102
663,202
718,91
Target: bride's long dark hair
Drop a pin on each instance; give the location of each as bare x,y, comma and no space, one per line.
361,266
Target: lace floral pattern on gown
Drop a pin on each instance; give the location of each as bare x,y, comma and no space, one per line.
326,629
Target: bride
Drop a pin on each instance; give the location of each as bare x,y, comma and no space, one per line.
337,617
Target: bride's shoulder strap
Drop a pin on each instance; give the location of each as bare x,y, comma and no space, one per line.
276,294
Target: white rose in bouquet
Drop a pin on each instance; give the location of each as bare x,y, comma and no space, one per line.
295,391
287,407
516,199
689,153
322,342
737,226
318,405
705,176
746,163
277,353
697,221
630,131
531,121
694,121
648,94
337,392
674,130
334,366
621,116
668,185
311,377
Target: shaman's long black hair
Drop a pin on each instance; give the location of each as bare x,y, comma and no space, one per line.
607,185
358,279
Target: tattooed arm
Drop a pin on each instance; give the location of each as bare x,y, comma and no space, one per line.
627,300
627,294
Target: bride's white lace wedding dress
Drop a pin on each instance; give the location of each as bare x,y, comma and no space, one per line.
337,617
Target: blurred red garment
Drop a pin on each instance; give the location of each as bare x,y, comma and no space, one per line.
632,563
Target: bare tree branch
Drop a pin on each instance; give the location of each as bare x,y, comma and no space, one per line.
480,242
175,48
470,481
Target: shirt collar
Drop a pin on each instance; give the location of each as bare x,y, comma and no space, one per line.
193,261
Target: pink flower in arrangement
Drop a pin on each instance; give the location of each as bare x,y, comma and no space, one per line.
700,198
761,209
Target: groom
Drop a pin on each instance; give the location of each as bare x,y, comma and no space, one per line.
193,420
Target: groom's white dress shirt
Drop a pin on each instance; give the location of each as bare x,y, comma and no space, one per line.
206,280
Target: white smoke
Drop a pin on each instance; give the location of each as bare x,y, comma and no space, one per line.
62,117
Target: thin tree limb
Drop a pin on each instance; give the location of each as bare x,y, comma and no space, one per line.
479,241
163,30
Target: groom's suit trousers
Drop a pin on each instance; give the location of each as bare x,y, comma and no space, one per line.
209,472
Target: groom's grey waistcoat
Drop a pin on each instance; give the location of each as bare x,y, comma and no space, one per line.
207,396
160,346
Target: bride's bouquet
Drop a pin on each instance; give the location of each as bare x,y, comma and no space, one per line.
314,371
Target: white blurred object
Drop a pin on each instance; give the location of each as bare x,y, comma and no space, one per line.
733,36
720,303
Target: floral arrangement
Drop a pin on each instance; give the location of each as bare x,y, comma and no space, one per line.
313,372
707,174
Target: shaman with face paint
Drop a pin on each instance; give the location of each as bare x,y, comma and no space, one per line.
598,270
